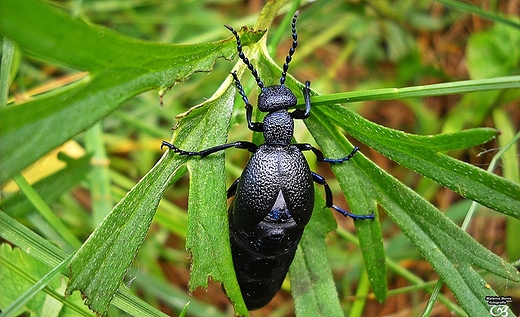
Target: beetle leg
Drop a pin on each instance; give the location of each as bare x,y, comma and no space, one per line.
253,126
319,154
328,199
298,113
232,189
251,147
343,159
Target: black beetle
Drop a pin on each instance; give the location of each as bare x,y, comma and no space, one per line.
274,196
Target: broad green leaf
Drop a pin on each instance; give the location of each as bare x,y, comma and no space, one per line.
469,181
312,285
208,233
99,266
449,249
126,68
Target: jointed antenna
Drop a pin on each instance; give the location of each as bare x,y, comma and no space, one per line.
291,50
244,58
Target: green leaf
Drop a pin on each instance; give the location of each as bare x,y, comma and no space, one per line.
449,249
127,68
133,66
415,153
98,267
312,285
359,194
208,233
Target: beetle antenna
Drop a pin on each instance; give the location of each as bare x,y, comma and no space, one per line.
244,58
291,50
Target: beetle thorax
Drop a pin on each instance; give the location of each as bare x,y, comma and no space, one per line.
278,128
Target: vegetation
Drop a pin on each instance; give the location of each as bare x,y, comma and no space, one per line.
428,90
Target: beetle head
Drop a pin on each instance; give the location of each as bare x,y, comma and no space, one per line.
276,98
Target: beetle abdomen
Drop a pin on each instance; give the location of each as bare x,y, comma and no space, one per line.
273,203
262,254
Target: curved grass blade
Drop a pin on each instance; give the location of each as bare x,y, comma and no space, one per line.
125,68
